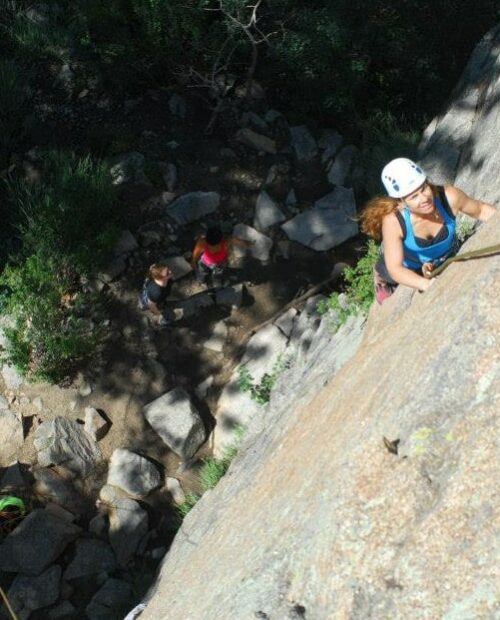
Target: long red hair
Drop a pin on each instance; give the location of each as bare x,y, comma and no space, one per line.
376,209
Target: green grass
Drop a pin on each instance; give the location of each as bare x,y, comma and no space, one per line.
211,471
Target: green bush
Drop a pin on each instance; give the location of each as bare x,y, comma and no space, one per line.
66,231
261,392
359,292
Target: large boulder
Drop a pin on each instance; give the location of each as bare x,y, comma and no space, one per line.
260,247
132,473
267,212
27,594
128,524
35,543
91,557
175,418
111,601
63,441
329,223
193,206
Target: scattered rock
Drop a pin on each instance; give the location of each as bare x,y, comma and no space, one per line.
38,403
303,143
52,486
132,473
179,266
203,387
329,223
218,338
285,321
261,247
126,243
12,477
95,424
12,378
129,168
230,296
330,141
267,212
111,601
85,389
174,417
169,174
26,594
62,441
64,611
257,141
11,436
37,542
128,523
91,557
339,170
175,490
193,206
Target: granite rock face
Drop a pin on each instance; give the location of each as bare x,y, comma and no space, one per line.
316,512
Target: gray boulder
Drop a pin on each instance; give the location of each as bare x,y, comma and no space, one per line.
128,524
54,487
110,602
12,378
329,223
11,436
261,248
35,543
64,442
257,141
303,143
132,473
174,417
193,206
179,266
330,141
129,168
95,424
26,594
126,243
91,557
267,212
342,164
230,296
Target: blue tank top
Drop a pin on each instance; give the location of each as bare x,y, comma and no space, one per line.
415,254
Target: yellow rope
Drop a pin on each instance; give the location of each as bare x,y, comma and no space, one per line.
489,251
7,604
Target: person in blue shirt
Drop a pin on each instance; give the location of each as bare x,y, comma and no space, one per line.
155,290
417,225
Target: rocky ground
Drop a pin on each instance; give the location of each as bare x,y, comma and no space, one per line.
279,186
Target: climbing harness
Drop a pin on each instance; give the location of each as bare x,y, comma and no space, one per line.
489,251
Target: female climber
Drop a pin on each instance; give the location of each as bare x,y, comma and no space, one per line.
416,223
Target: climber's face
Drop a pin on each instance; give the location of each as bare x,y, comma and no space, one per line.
421,201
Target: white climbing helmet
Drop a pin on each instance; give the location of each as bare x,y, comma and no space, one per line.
402,176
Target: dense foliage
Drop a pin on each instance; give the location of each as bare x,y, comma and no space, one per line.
375,70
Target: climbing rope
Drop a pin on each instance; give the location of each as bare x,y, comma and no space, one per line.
8,605
489,251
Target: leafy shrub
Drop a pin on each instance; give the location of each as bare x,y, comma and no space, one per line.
359,292
261,392
66,231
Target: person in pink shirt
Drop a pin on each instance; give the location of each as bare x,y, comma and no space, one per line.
211,254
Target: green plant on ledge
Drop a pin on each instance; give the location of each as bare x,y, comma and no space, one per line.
211,472
261,392
359,292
